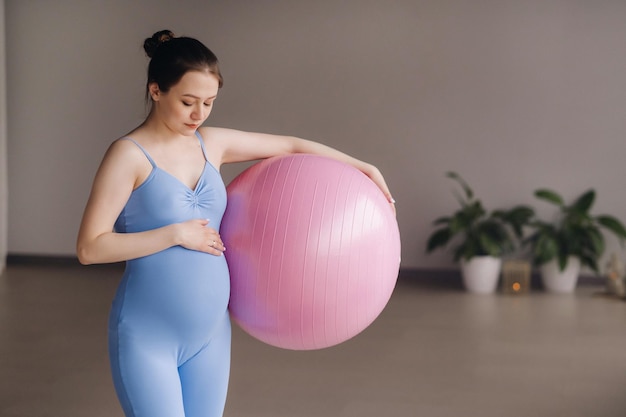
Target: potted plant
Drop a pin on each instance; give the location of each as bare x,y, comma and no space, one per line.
480,238
574,239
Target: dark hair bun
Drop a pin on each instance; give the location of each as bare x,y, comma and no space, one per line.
150,45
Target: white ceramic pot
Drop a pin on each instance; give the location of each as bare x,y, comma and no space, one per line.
557,281
481,274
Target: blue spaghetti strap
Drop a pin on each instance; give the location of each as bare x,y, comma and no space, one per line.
199,136
144,151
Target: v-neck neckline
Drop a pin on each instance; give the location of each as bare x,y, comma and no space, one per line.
195,188
156,167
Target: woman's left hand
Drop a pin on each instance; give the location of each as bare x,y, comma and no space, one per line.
375,175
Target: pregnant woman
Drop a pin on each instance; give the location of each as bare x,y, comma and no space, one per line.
157,202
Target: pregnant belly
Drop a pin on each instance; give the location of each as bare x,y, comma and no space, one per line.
176,290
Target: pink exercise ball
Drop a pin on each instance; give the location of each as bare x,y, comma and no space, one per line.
313,251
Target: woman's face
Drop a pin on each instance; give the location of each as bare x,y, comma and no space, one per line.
188,103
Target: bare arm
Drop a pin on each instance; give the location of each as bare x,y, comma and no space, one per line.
119,173
239,146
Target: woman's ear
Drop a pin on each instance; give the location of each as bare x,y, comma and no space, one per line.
155,92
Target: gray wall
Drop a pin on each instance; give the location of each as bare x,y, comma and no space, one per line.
514,95
4,216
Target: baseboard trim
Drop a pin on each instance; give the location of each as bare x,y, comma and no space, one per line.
41,260
451,277
14,259
445,277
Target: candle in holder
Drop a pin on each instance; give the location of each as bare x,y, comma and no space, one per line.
515,277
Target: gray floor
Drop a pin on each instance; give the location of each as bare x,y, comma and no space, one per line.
434,352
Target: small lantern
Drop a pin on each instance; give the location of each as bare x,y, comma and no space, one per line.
515,277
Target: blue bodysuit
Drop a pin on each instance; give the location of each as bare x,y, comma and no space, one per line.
169,329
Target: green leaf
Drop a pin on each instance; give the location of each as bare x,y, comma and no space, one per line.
575,217
464,251
466,188
589,261
545,249
613,224
549,196
490,246
517,218
596,240
438,239
442,220
520,214
584,202
474,212
458,222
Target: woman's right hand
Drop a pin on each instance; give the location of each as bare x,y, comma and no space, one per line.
197,235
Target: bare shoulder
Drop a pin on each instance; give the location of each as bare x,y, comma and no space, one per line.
124,151
240,146
224,137
216,134
125,161
216,140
